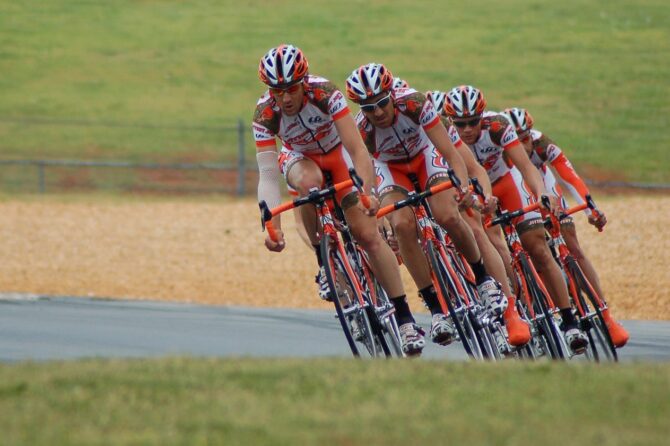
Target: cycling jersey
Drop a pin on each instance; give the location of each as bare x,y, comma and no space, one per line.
406,137
404,149
497,135
312,129
546,151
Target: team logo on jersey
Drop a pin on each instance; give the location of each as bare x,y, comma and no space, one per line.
509,136
337,102
315,119
261,132
428,114
408,131
552,152
489,162
489,149
437,160
453,134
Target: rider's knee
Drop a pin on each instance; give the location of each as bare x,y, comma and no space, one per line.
405,227
448,219
369,239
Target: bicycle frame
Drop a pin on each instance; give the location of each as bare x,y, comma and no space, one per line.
460,306
330,236
575,277
524,271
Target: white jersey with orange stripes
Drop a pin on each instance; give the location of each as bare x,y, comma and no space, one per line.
406,137
546,151
312,129
497,135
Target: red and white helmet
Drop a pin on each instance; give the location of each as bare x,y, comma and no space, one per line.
399,83
520,118
437,98
367,81
464,101
283,65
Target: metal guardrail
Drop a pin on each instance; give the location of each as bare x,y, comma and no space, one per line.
41,165
240,166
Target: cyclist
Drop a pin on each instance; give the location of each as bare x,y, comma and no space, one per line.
496,146
518,331
400,128
544,153
311,118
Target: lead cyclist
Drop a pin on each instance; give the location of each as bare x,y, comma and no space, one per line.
545,154
310,117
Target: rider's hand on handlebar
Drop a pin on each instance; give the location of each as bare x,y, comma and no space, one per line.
490,205
598,219
467,199
554,205
374,205
277,246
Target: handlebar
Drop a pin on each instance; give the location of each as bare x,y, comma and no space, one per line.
507,217
315,195
413,198
588,204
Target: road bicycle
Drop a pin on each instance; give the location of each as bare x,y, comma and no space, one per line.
588,303
533,302
363,308
451,275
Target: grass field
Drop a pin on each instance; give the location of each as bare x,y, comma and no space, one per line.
341,402
594,74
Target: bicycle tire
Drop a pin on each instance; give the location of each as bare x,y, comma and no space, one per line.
345,298
547,326
604,345
448,291
384,310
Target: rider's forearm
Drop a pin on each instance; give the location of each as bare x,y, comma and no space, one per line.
268,178
456,163
533,178
483,178
363,165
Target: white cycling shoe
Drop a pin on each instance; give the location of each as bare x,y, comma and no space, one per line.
442,330
491,294
322,281
576,340
412,340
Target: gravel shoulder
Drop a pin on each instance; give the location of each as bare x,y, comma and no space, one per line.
211,251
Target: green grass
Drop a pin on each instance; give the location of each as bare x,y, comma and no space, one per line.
594,74
282,402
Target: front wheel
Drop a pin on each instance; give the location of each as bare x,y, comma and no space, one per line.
591,318
346,295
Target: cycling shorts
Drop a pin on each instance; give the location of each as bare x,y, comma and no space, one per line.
427,166
513,194
336,161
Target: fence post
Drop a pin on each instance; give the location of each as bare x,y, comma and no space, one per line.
41,183
241,159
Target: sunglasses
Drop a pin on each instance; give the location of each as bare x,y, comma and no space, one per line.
380,103
279,92
470,122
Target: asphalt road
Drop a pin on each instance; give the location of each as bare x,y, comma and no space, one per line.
42,328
